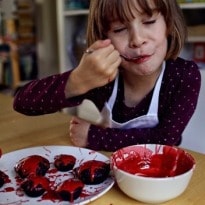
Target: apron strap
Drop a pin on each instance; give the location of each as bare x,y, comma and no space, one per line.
155,97
112,99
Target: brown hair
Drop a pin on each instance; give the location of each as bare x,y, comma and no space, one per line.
102,12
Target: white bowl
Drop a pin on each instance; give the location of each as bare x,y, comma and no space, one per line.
152,173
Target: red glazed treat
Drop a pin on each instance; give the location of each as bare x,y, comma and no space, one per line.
32,165
35,186
69,190
93,172
64,162
3,178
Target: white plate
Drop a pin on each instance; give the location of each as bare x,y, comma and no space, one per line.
9,193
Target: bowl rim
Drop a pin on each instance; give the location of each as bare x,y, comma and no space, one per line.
115,168
155,178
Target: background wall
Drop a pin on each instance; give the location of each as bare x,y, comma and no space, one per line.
194,134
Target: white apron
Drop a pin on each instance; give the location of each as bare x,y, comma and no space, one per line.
144,121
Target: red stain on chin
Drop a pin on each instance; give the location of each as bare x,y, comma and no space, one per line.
165,162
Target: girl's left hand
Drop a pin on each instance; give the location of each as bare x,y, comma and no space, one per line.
79,131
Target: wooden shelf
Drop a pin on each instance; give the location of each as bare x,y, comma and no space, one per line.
15,66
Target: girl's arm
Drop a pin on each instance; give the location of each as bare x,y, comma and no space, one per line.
43,96
51,94
48,96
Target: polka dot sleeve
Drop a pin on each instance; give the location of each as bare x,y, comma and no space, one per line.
42,96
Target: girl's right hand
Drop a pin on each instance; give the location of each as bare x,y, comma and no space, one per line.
95,69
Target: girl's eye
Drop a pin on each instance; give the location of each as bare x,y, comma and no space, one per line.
150,22
118,30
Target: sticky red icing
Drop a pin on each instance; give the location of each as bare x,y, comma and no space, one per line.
69,189
32,165
65,158
64,162
165,161
70,185
88,171
91,165
35,185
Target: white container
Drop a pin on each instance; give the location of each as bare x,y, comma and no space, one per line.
149,189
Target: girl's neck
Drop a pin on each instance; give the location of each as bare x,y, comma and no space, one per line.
137,87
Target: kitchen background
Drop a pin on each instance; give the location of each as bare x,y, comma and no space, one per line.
42,37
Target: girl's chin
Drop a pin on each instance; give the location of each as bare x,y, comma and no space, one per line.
138,70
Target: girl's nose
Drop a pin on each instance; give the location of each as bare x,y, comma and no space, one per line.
136,38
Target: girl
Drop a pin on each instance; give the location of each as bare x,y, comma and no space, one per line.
131,71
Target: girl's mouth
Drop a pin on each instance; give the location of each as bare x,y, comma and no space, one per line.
138,59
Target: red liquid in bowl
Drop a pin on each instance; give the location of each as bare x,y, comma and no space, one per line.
164,161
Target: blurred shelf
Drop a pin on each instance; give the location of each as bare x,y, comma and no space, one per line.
195,39
196,33
70,20
192,5
76,12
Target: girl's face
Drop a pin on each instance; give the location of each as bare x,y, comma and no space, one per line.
142,42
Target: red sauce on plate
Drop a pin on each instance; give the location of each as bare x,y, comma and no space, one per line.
56,186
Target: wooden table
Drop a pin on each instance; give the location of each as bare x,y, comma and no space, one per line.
18,131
